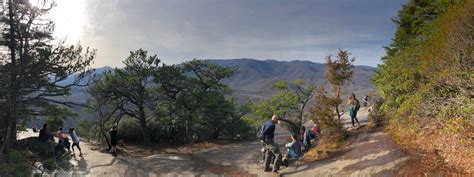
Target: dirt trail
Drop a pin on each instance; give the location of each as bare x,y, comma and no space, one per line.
370,154
373,154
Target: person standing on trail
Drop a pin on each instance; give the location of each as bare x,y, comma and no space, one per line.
75,141
113,139
353,108
366,100
306,137
271,148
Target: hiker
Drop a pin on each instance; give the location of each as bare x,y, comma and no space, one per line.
271,147
62,139
44,134
306,137
75,141
366,100
113,139
293,150
260,136
353,108
315,131
59,149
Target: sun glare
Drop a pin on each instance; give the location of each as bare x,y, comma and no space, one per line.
69,19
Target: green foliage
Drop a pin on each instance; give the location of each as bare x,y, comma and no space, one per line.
50,164
172,104
290,101
130,89
438,68
129,130
15,164
33,68
376,116
323,115
56,115
427,76
85,129
339,71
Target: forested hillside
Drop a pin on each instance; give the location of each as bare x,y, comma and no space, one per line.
427,81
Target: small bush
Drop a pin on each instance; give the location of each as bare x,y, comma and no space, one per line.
129,130
15,164
50,164
376,116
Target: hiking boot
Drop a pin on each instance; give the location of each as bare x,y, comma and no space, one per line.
275,172
267,170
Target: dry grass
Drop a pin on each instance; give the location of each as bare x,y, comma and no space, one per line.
440,149
324,149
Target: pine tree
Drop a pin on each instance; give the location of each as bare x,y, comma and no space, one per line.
34,66
339,71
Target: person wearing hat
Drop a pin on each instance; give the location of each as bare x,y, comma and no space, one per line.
271,147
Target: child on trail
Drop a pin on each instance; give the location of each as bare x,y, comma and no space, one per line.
293,150
75,141
113,139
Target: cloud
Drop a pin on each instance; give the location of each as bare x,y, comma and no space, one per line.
179,30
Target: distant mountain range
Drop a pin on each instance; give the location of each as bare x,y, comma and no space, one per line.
256,77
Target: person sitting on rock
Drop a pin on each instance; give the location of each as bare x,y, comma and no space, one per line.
293,150
315,131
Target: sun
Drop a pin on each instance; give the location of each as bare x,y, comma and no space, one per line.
69,18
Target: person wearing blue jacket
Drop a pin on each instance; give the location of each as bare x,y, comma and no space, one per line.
271,148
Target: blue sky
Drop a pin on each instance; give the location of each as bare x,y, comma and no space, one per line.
179,30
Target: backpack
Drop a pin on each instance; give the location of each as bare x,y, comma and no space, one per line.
357,105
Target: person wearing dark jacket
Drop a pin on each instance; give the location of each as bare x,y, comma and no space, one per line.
271,148
113,139
44,134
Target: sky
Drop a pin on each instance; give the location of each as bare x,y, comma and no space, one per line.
180,30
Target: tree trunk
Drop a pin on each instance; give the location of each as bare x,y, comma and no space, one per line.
145,133
12,98
104,133
338,95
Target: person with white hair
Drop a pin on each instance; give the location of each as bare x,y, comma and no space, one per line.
271,148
